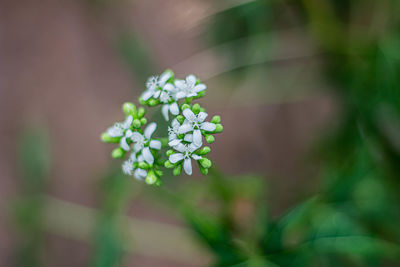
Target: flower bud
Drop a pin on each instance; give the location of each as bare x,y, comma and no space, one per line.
151,177
203,171
209,138
196,108
185,106
141,101
143,121
205,163
203,151
136,123
118,153
216,119
159,173
177,170
153,102
108,139
180,119
168,164
129,109
141,112
170,152
143,165
219,128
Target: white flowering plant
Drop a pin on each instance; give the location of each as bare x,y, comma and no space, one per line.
188,126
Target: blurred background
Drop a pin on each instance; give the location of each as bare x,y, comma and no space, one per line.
306,172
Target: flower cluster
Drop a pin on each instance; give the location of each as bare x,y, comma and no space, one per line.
185,134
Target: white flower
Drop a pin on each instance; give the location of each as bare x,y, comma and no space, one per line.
195,123
168,94
129,169
122,130
153,83
186,154
143,143
188,87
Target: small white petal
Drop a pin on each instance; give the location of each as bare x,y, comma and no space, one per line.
140,174
180,147
157,94
188,138
180,95
174,108
208,126
189,115
164,111
128,133
169,87
150,130
191,79
115,131
175,123
193,147
180,84
147,94
127,123
201,116
155,144
164,78
187,166
124,144
174,142
196,157
148,157
174,158
140,158
132,157
137,137
184,128
197,137
199,88
137,147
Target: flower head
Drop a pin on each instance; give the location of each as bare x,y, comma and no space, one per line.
122,130
188,87
153,84
195,123
186,153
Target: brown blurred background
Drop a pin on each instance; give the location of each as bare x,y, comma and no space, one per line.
61,69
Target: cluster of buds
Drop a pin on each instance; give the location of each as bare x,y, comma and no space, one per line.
185,133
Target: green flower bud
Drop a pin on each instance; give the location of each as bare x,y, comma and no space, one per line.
151,177
168,164
159,173
136,123
216,119
143,121
118,153
141,112
196,108
177,170
204,171
143,165
108,139
142,102
180,118
170,152
219,128
203,151
209,138
205,163
153,102
185,106
129,109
